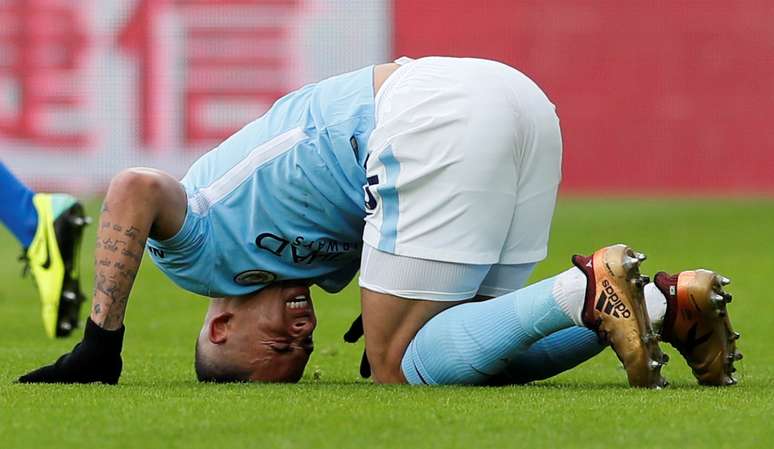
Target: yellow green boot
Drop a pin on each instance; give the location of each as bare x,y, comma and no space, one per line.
53,258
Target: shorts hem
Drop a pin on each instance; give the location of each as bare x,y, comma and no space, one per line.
420,295
525,257
459,256
436,254
493,292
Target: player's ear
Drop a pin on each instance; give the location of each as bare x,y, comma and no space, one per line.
219,328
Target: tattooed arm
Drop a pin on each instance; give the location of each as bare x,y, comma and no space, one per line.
139,203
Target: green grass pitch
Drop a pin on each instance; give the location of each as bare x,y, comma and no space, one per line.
159,404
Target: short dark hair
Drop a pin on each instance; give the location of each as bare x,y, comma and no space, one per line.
208,370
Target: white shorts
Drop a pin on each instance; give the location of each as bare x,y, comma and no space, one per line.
431,280
464,164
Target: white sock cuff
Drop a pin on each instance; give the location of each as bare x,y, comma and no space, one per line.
656,303
569,292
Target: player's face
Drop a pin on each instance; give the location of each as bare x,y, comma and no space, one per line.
274,332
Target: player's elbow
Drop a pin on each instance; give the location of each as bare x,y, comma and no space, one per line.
134,182
143,185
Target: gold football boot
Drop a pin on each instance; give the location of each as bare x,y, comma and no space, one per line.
615,310
696,323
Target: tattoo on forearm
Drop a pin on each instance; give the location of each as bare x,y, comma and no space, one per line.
110,244
132,232
116,295
115,270
129,275
132,255
108,286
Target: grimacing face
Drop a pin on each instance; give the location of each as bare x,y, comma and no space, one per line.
270,332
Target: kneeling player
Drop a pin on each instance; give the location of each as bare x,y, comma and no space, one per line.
459,161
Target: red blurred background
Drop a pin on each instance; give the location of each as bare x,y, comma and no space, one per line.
654,97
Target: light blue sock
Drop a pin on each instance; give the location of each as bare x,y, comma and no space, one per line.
16,209
549,356
470,343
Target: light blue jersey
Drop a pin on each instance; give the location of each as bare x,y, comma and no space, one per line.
281,199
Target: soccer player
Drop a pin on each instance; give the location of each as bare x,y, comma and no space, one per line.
49,228
435,177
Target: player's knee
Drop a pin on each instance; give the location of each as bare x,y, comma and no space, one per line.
386,365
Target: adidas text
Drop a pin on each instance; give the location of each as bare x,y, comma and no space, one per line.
610,303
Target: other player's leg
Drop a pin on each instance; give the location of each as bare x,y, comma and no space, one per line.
49,227
17,211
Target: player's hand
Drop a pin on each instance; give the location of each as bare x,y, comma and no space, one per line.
352,336
95,359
